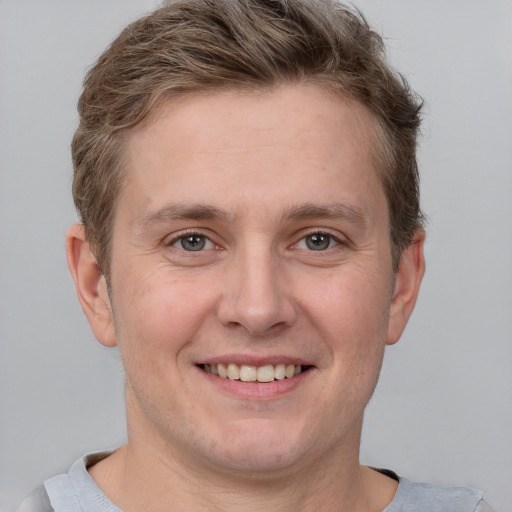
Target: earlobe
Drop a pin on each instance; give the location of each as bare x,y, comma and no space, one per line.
407,284
91,286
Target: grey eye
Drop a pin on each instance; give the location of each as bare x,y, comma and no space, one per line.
318,242
193,242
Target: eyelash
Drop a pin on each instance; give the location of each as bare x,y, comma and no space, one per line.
191,233
330,236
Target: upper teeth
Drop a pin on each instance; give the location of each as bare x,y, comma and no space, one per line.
248,373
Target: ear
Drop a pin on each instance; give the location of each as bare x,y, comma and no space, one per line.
91,286
407,285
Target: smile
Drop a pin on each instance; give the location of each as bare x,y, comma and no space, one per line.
248,373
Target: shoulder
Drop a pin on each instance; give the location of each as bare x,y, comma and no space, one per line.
423,497
74,491
38,501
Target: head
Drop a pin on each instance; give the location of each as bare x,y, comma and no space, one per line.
246,177
195,47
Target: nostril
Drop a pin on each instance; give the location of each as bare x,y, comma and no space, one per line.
261,322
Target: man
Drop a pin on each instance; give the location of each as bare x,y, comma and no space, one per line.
251,240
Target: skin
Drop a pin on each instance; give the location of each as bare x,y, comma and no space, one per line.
254,175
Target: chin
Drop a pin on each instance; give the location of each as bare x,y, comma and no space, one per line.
259,447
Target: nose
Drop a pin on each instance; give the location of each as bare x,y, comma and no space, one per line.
256,294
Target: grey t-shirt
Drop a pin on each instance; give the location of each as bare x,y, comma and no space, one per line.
76,491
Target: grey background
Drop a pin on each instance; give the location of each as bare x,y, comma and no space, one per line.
443,408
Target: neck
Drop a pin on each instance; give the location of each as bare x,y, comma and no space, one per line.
142,476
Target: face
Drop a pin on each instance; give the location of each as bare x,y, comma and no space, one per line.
251,239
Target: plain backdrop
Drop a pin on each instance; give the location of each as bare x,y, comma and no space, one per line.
443,408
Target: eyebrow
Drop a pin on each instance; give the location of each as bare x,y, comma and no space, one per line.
334,211
176,211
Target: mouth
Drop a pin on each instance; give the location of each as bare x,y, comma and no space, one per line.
249,373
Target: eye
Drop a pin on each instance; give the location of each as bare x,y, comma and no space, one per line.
193,242
317,242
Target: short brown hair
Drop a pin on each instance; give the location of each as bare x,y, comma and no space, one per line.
191,46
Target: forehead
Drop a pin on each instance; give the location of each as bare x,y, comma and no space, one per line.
310,113
283,146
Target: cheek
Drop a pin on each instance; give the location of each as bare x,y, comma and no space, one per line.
350,314
351,307
157,316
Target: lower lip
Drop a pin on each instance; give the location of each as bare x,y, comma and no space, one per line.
257,390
